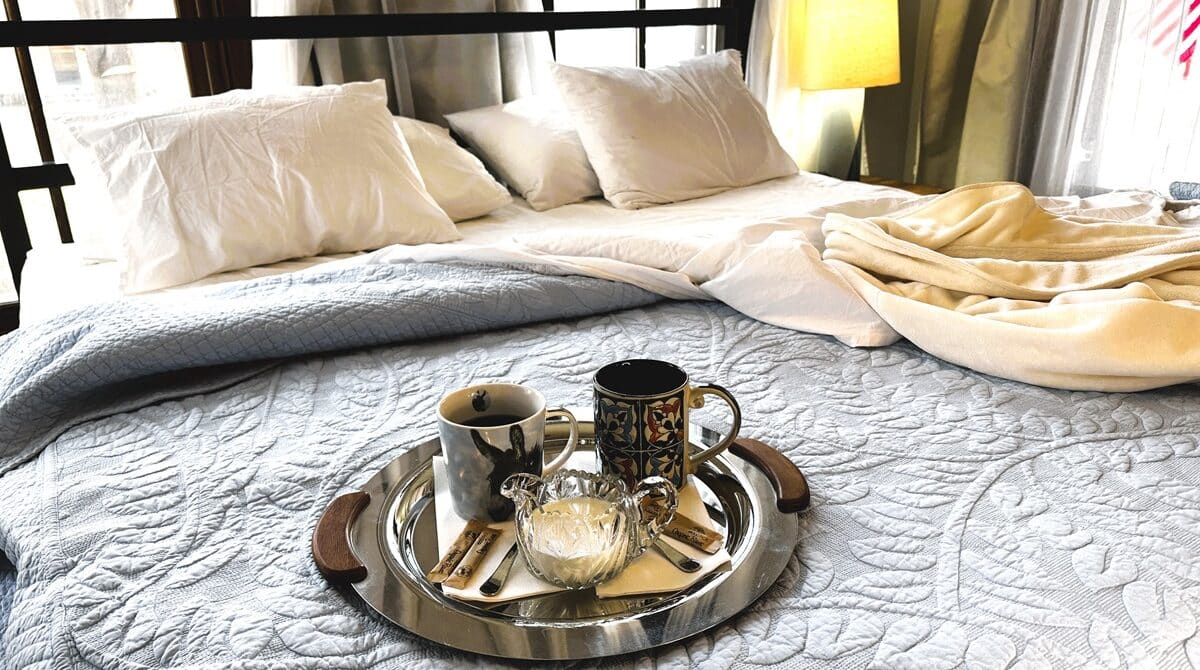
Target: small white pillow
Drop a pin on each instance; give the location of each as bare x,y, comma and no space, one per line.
462,187
246,178
672,133
531,144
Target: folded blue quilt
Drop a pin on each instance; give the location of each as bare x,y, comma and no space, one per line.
112,356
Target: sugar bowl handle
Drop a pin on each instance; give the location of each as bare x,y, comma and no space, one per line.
657,512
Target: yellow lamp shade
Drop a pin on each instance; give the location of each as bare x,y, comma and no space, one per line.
843,43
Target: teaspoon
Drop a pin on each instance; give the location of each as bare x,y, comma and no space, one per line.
677,558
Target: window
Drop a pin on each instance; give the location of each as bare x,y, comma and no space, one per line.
1140,128
66,66
73,79
630,47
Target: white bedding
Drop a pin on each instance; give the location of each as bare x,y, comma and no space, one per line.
243,178
1114,272
762,250
58,278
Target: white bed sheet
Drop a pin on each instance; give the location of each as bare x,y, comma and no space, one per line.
58,278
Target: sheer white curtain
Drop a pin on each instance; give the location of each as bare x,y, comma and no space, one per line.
1126,89
817,128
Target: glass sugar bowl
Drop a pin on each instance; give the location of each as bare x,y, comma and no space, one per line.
577,529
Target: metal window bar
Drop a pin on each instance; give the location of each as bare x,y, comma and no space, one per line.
641,38
37,115
731,18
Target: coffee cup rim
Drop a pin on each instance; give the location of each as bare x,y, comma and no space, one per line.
541,399
600,387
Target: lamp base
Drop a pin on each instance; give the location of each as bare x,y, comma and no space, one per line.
856,159
821,130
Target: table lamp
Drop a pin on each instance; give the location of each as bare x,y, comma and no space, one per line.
841,44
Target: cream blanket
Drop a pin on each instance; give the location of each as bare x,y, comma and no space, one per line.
985,278
1100,295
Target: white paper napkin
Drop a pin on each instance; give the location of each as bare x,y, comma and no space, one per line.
650,573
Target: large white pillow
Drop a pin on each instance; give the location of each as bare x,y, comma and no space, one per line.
462,187
245,178
534,148
671,133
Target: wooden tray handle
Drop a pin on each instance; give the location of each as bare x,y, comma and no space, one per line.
791,488
331,539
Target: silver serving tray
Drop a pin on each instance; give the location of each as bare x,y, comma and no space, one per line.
394,538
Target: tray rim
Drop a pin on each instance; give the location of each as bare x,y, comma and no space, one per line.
410,602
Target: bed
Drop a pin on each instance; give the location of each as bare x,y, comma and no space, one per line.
164,457
958,519
58,278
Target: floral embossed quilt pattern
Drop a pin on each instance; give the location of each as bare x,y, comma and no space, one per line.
958,520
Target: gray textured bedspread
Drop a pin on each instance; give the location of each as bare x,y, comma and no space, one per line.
959,521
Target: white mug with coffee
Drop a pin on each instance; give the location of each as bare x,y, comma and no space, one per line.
490,432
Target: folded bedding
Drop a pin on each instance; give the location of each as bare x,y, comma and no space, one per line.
1090,295
164,468
8,588
985,277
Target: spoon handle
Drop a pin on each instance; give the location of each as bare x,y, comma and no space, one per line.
496,582
677,558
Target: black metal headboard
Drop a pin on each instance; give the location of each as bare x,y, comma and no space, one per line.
731,17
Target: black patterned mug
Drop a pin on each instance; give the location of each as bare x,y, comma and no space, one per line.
641,413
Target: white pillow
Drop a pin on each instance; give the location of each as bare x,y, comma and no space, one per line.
245,178
672,133
459,183
531,144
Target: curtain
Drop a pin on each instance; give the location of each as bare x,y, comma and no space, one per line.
427,76
1127,91
215,67
1068,96
972,100
818,129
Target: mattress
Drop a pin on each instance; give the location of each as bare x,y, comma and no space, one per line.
59,278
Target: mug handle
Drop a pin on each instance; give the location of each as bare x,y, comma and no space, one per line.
695,397
552,466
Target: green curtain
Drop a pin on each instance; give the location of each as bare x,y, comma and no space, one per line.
971,98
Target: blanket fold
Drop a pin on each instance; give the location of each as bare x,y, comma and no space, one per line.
985,278
112,357
1095,294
